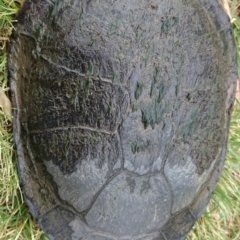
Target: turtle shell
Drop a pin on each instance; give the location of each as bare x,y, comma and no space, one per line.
122,113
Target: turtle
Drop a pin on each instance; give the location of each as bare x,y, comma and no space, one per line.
121,114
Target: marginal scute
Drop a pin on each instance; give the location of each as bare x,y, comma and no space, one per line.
57,229
204,195
178,226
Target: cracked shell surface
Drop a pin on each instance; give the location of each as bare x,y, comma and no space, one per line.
122,113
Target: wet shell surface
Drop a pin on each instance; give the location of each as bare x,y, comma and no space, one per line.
122,113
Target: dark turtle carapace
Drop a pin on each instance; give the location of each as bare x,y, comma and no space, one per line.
122,112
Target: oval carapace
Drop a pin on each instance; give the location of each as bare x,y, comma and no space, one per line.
122,113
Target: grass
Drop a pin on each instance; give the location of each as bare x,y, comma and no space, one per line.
221,220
